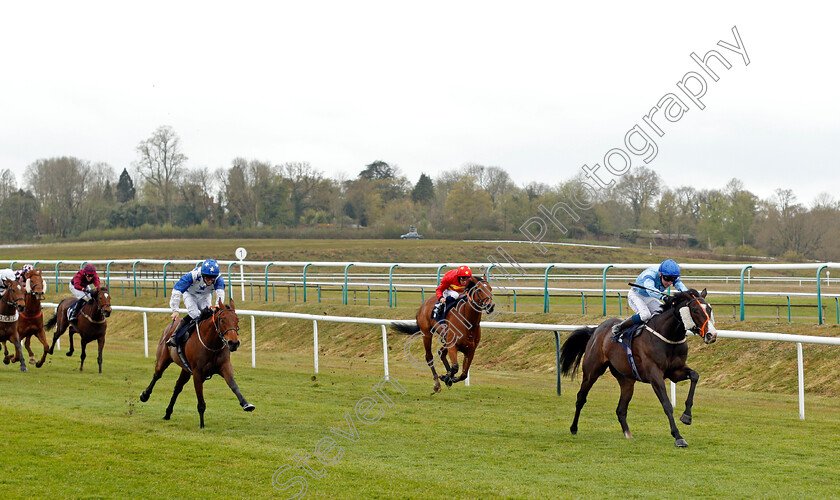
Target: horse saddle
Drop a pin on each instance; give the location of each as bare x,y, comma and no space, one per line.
629,333
449,304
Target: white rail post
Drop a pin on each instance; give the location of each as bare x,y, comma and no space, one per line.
315,339
58,344
253,343
242,280
385,352
146,334
801,376
673,394
467,380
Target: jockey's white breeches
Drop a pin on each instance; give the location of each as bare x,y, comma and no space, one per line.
643,305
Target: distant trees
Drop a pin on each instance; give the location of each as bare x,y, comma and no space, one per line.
125,188
160,163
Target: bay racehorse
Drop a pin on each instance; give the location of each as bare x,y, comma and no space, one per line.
659,352
11,302
91,324
31,321
459,331
207,352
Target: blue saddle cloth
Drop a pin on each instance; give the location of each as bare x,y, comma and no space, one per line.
626,342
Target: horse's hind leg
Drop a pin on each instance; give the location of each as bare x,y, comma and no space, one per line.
627,386
179,384
430,360
43,338
19,350
29,350
227,372
159,369
6,357
693,376
658,384
72,349
590,375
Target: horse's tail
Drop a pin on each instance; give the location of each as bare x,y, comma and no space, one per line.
573,348
50,324
406,328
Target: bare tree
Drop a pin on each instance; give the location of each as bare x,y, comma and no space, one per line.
8,184
60,185
303,182
160,164
639,188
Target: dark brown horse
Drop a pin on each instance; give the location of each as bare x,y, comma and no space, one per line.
207,352
659,353
31,321
11,302
91,324
460,331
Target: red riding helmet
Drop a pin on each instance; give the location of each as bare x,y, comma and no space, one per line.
89,269
464,271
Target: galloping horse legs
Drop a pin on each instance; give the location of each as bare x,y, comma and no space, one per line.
84,344
19,350
29,350
682,374
468,357
72,349
198,381
101,342
179,384
227,372
627,386
6,357
658,384
590,375
430,360
144,396
43,338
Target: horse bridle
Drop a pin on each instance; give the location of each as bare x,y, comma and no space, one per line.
483,307
217,320
696,330
8,291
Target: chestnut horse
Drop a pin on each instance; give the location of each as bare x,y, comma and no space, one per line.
91,324
659,352
10,303
31,321
459,331
207,352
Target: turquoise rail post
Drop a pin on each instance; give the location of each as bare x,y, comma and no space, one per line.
582,303
619,303
368,294
514,301
304,283
56,275
346,268
164,276
230,282
545,290
134,274
319,294
391,285
438,273
604,290
266,283
743,272
819,294
557,353
82,265
12,265
837,309
108,274
788,301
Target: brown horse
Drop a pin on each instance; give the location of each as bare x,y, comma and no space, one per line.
11,302
31,321
659,352
91,324
459,331
207,352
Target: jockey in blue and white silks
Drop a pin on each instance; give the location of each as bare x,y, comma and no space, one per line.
196,287
647,302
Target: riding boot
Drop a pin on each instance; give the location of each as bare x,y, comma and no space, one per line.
437,312
77,307
173,339
618,327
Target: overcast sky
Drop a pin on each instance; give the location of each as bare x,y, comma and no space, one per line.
538,88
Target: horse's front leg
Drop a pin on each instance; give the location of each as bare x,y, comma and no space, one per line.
84,344
19,351
658,384
693,376
101,343
6,357
198,381
226,371
627,386
469,352
43,338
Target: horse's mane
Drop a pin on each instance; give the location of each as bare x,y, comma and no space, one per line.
680,298
474,280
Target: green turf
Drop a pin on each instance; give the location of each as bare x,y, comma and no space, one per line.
86,435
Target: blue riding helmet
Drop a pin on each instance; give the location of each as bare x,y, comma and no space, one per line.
210,268
669,267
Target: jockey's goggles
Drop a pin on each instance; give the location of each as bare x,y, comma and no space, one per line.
669,278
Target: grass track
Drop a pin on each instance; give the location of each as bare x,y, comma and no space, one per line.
85,435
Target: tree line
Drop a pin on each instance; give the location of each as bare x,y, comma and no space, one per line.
68,197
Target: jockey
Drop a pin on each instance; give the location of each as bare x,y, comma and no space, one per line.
452,285
197,289
83,283
5,275
646,302
19,274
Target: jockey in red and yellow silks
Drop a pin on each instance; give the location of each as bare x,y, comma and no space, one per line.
452,285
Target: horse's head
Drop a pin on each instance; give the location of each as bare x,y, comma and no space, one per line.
35,284
15,294
227,324
102,299
480,295
696,314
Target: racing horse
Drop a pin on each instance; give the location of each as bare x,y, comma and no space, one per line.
91,324
11,302
659,352
208,353
459,331
31,321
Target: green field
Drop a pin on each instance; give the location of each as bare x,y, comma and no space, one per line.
86,435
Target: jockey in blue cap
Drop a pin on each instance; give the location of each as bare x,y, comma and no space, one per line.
197,288
647,302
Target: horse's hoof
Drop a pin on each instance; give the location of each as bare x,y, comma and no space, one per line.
248,407
31,361
628,435
573,430
50,352
437,387
23,369
39,364
166,417
686,419
144,397
68,353
680,443
5,361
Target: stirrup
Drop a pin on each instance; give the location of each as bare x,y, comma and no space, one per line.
171,341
